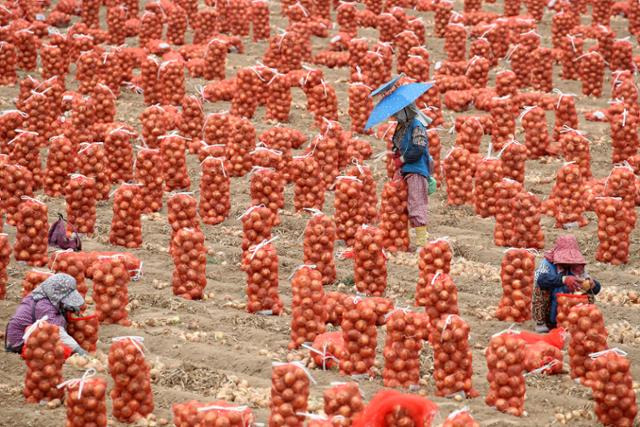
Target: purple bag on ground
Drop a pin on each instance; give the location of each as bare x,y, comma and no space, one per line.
58,236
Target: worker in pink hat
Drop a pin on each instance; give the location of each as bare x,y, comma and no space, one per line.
561,271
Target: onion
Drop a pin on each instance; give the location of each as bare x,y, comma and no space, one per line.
193,412
250,84
204,25
350,213
149,70
513,157
87,66
84,329
215,59
53,63
43,353
309,190
17,182
126,227
27,44
405,333
526,214
32,227
61,162
25,152
517,275
404,42
343,400
156,121
440,297
150,28
359,331
478,72
86,401
323,102
5,258
177,24
91,162
10,121
374,69
278,98
261,265
171,81
260,20
110,289
346,18
565,303
394,217
601,13
283,140
116,18
267,188
506,83
542,70
417,65
370,262
182,212
214,191
482,48
575,148
588,335
571,49
462,417
434,257
505,360
32,279
503,232
83,117
257,223
358,48
289,394
562,24
455,38
131,395
241,142
335,302
105,103
319,238
308,313
536,135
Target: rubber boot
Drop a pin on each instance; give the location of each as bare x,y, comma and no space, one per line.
421,236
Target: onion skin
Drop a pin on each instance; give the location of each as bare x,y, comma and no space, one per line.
44,355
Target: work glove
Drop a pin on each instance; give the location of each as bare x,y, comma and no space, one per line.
571,282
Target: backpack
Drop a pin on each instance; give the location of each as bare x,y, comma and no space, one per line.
58,236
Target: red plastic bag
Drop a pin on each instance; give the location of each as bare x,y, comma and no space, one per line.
542,357
390,407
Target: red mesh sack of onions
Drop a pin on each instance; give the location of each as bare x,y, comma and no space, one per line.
622,182
60,164
25,151
394,217
489,173
173,149
8,59
257,222
609,378
504,123
588,335
309,189
571,49
27,44
469,131
591,72
10,122
131,395
452,357
478,72
526,214
460,418
575,148
212,414
360,106
5,257
335,303
249,84
542,357
622,55
343,400
32,279
260,20
566,115
513,157
459,168
516,274
261,265
392,408
567,201
215,59
613,230
278,98
308,313
624,132
360,336
404,42
182,212
440,296
156,122
267,189
290,384
215,201
149,173
43,353
405,333
32,228
435,257
349,211
503,231
565,303
118,146
110,289
536,134
84,329
126,228
242,141
86,400
319,239
324,148
191,120
542,69
505,360
190,259
105,103
369,197
71,263
370,261
506,83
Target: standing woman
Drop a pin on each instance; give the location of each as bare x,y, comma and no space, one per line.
410,146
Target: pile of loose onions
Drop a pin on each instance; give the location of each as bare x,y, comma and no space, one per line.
613,230
32,228
118,147
319,239
452,356
289,394
360,336
370,263
261,265
504,121
488,174
591,72
612,387
308,313
309,190
343,400
44,355
567,201
190,260
5,257
92,163
405,333
516,274
267,189
505,360
526,214
215,201
149,172
84,329
575,148
459,167
61,161
131,395
394,216
350,212
588,335
126,227
536,135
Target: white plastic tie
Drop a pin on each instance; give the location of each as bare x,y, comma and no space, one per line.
298,365
137,341
79,382
35,325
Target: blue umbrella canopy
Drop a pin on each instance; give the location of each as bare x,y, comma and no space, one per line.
395,101
384,88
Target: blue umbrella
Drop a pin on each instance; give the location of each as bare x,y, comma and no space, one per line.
396,101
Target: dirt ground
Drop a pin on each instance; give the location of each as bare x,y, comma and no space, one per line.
213,349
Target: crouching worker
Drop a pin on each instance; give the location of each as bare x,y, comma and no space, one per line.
54,298
561,271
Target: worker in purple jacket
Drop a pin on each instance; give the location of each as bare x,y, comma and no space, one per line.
52,298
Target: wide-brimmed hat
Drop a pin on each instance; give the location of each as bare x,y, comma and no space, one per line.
565,251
